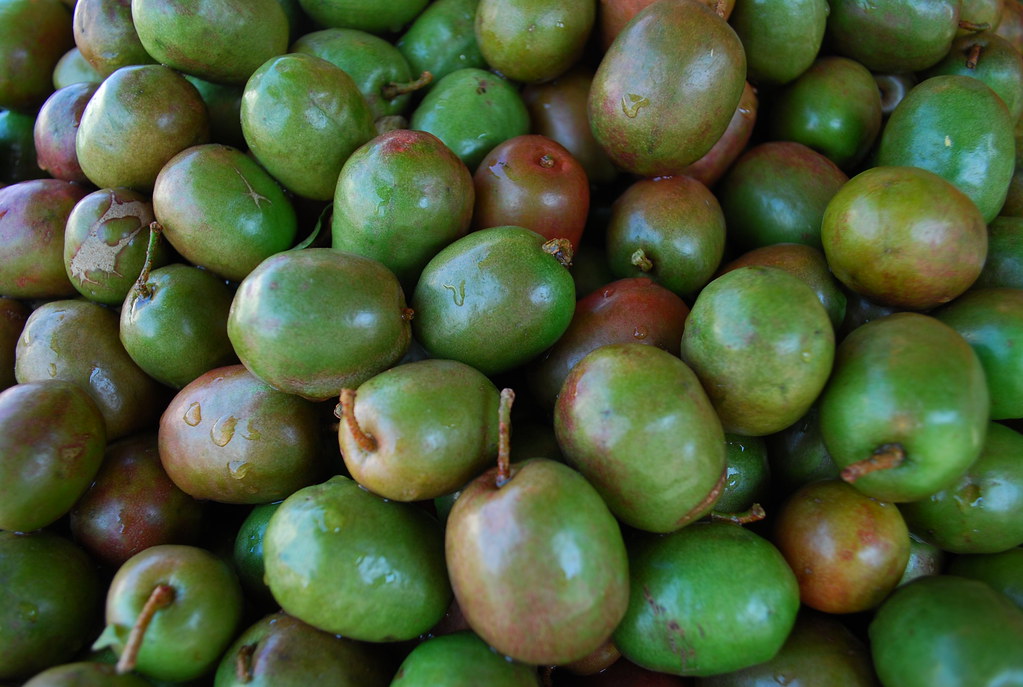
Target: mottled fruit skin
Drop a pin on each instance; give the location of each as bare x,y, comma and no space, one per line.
442,39
942,631
709,169
890,36
904,237
708,599
49,596
537,564
85,674
667,87
34,34
313,321
365,15
634,420
348,562
997,64
847,550
906,381
762,345
106,36
781,39
56,128
461,659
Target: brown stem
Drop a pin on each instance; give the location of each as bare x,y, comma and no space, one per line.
885,457
755,513
561,249
364,441
142,283
407,314
640,260
973,27
243,663
161,596
394,89
504,437
973,57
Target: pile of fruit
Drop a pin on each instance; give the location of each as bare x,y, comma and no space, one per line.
511,342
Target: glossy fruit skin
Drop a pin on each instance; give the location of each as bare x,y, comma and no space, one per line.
105,33
634,420
630,310
313,321
138,119
289,653
958,128
364,15
904,237
186,638
1002,571
982,511
999,65
747,474
434,426
348,562
652,74
781,39
34,34
1004,264
741,340
708,599
677,225
944,630
442,39
493,299
709,169
302,117
105,241
56,128
533,41
888,388
472,110
847,550
533,182
219,41
247,555
72,68
461,659
53,441
85,674
229,437
924,559
32,217
401,198
535,557
49,595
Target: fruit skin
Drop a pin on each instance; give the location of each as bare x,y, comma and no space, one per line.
461,659
34,34
106,36
762,345
634,420
313,321
442,39
658,102
958,128
944,631
912,381
493,299
49,596
999,65
538,565
348,562
56,128
1004,264
708,599
365,15
85,674
904,237
1002,571
781,39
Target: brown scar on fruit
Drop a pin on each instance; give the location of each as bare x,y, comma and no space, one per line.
96,254
252,193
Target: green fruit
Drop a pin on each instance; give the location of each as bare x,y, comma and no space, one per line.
442,39
666,89
494,299
34,35
781,38
991,59
708,599
248,551
1002,571
224,103
72,68
762,345
365,15
56,128
924,559
942,631
105,34
958,128
747,474
461,659
533,40
219,40
49,598
1004,264
798,455
18,156
908,398
302,117
634,420
537,562
348,562
311,322
85,674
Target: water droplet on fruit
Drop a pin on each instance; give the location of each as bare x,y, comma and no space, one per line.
223,430
53,370
806,356
193,414
457,294
251,433
640,333
632,103
238,469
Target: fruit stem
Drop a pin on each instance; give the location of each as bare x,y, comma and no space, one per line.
561,249
973,27
365,441
973,57
142,283
886,456
504,437
243,663
161,596
719,8
755,513
640,260
393,89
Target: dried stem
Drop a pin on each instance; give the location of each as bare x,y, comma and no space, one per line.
364,441
394,89
161,596
973,56
884,458
973,27
640,260
561,249
142,283
504,437
755,513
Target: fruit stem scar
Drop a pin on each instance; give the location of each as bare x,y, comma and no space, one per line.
547,161
504,437
392,90
561,249
640,260
755,513
364,441
243,663
161,596
142,283
885,457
